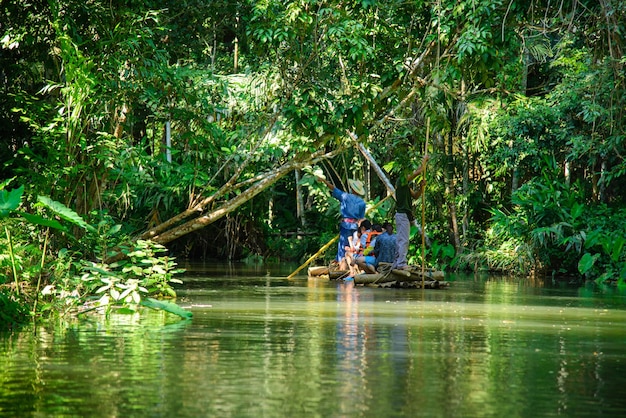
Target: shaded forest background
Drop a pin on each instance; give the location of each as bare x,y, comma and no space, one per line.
200,124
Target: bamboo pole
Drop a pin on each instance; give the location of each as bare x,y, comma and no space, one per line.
314,256
424,203
379,171
329,243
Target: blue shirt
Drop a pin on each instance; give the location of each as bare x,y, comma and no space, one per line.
364,239
385,248
351,206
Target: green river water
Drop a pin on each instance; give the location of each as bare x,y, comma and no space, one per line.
260,345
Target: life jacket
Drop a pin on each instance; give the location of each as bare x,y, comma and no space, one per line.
369,238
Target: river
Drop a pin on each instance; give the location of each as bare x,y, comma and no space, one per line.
260,345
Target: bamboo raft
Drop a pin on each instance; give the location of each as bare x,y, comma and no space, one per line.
326,273
386,277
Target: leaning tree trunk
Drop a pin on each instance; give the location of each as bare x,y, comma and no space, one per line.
255,186
451,195
466,192
174,229
299,201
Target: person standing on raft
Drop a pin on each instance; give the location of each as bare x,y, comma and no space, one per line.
352,208
404,212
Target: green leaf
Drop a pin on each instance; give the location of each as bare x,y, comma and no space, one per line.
618,245
65,212
577,210
586,262
124,293
102,289
104,300
126,311
9,201
38,220
603,278
166,306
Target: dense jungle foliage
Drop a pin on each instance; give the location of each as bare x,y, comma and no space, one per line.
129,127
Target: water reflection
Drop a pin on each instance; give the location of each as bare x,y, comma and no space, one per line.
350,338
348,330
261,345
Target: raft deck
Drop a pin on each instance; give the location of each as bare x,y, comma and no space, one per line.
386,277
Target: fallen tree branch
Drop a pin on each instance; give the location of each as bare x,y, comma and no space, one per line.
261,182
